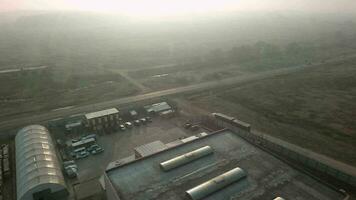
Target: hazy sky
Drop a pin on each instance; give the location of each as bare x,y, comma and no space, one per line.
179,7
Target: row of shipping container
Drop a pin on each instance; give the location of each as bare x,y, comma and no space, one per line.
231,120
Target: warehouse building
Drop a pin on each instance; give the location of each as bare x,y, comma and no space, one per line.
38,172
220,165
102,119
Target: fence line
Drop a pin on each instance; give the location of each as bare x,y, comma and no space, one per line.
320,163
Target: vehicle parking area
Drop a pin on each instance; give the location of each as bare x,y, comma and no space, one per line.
118,144
121,144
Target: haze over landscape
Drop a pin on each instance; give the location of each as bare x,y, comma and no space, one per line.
286,67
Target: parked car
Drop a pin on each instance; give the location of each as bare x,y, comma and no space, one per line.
75,140
122,127
128,124
187,125
143,120
137,122
194,128
68,163
148,119
82,154
95,149
92,147
71,171
89,136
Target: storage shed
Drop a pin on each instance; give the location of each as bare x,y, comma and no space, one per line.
38,172
158,107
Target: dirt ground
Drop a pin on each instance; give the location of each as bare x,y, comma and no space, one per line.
34,92
314,108
177,76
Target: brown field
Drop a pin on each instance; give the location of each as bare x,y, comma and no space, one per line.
177,76
33,92
314,108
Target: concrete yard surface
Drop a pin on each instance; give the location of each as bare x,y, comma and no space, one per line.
122,143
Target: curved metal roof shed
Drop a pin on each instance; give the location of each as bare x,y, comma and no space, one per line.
38,172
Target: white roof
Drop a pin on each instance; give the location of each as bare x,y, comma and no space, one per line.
72,125
81,142
36,162
158,107
188,139
101,113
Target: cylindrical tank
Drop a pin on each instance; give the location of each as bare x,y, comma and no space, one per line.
216,184
186,158
278,198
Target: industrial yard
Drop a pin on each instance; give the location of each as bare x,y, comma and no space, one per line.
177,100
91,152
101,155
121,144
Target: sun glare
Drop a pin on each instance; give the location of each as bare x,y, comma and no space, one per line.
152,8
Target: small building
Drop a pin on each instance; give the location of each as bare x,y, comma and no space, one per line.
158,108
102,119
38,172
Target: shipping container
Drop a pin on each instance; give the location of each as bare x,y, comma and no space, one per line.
223,117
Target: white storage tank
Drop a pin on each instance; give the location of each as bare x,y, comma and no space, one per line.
186,158
38,172
215,184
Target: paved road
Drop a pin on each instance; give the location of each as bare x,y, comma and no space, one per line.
23,121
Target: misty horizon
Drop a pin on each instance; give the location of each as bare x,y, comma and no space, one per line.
167,8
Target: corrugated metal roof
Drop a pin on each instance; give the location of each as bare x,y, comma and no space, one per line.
150,148
36,161
101,113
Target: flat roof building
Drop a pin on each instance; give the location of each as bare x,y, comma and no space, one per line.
220,161
102,119
101,113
